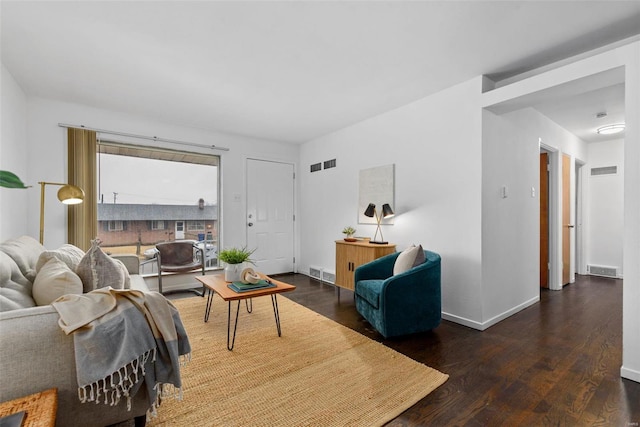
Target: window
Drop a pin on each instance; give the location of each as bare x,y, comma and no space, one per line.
195,225
115,226
153,195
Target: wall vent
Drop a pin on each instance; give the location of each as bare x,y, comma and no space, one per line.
316,167
329,277
606,170
330,163
315,272
599,270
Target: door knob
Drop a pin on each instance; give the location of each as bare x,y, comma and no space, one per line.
250,224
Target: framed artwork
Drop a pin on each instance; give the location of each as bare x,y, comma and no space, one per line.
377,186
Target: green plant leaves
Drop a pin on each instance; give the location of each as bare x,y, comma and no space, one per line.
235,255
10,180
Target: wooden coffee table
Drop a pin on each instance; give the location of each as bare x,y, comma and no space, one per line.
215,284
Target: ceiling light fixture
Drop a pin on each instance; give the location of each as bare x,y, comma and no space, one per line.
611,129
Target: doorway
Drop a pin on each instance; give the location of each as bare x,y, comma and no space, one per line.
544,220
270,215
179,230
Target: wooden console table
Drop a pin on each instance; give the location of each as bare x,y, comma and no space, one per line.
40,408
350,255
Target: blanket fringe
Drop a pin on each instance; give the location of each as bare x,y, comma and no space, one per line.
111,389
167,391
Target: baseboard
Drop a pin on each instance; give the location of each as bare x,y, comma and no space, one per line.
630,374
462,321
481,326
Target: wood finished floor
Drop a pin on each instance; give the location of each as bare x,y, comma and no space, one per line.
554,363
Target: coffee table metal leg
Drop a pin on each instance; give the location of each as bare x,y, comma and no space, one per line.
249,304
276,312
207,308
235,327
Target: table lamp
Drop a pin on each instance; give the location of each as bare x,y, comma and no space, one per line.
371,212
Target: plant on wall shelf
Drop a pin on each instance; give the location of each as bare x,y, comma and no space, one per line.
10,180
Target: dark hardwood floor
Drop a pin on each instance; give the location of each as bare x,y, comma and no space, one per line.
554,363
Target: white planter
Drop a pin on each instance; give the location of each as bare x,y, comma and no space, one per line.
232,272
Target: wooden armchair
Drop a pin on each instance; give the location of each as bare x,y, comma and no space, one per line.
180,256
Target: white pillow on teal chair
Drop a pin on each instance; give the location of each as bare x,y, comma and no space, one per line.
409,258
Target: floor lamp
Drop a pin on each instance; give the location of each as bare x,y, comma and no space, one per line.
371,212
68,194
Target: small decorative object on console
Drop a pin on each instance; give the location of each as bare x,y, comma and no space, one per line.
349,232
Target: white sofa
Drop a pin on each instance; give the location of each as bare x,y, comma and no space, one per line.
36,355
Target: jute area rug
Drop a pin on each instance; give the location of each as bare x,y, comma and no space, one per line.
319,373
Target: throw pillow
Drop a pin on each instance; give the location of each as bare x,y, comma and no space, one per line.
69,254
54,280
409,258
99,270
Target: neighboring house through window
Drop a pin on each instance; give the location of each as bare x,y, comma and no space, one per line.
154,195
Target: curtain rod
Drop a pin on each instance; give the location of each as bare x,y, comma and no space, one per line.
151,138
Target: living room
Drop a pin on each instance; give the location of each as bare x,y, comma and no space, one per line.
450,165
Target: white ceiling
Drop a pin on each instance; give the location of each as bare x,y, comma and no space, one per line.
294,71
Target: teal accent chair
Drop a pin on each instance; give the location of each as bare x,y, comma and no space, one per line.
403,304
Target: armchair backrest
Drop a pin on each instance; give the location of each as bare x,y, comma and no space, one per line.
176,253
382,268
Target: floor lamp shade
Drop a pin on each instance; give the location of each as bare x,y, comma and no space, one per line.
68,194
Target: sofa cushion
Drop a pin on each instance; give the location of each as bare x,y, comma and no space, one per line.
55,279
24,251
99,270
15,288
409,258
69,254
369,290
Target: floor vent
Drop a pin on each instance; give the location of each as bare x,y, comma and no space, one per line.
328,277
598,270
315,272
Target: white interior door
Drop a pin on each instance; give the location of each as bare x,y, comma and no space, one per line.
270,189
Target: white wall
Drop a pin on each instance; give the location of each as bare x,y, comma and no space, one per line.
605,225
436,148
13,156
48,158
630,56
510,218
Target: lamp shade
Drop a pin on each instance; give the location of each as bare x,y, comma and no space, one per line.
370,211
387,212
70,194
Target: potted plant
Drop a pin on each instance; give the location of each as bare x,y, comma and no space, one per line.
349,232
235,258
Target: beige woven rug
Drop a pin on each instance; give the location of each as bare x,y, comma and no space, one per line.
319,373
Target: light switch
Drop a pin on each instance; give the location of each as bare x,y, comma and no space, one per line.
533,191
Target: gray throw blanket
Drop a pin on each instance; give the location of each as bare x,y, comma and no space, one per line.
122,339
